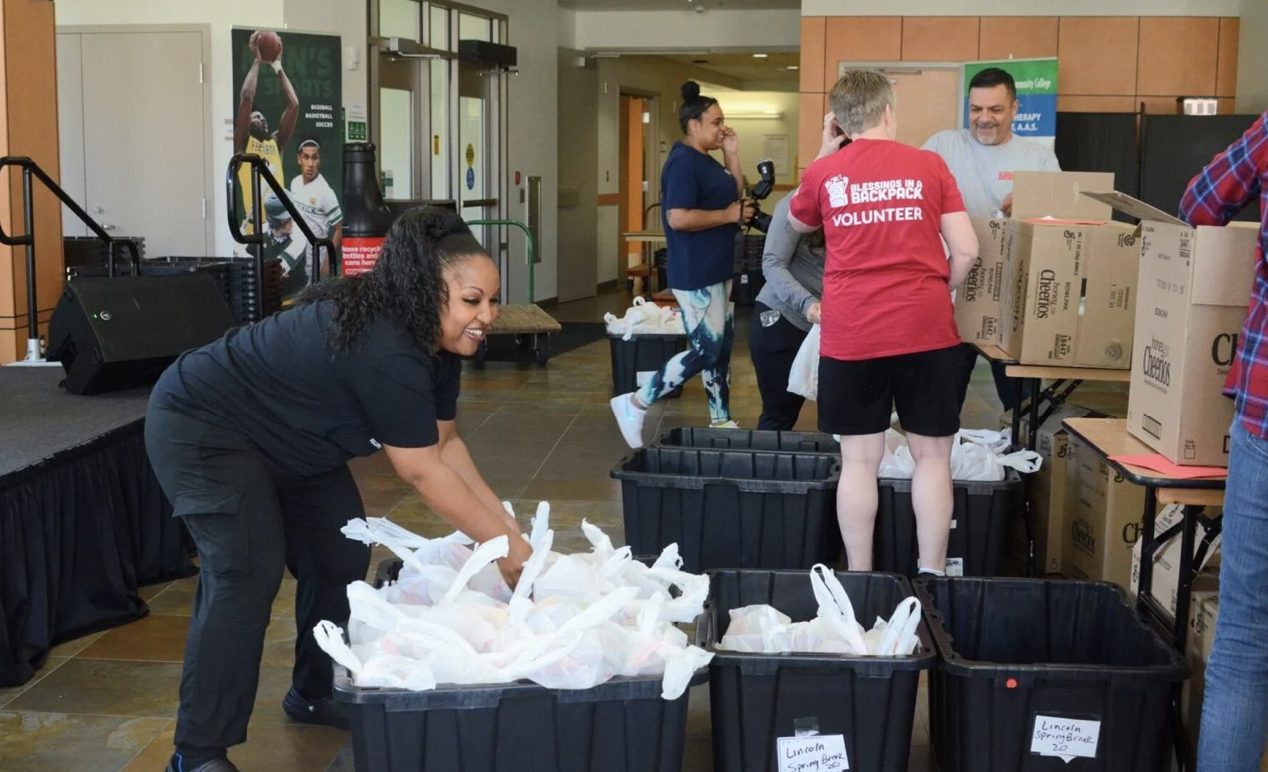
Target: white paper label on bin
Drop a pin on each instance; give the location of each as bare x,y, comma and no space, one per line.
1065,738
819,752
955,566
643,376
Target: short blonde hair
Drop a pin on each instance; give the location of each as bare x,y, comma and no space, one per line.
859,99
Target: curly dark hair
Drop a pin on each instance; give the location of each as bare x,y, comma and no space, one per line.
406,285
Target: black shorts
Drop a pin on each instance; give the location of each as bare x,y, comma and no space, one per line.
856,397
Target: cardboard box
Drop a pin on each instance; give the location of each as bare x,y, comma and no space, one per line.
993,292
1193,290
1165,583
1076,286
1061,194
979,300
1047,491
1102,518
1107,316
1049,260
1203,607
1070,274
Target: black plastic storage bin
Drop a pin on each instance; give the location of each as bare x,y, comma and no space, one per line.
979,525
622,725
749,439
731,508
757,698
1017,649
639,354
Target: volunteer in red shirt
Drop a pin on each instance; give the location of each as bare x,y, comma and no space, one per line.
888,335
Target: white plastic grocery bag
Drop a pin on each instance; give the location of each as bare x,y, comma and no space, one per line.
803,378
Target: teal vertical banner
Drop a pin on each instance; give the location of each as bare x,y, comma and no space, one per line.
1036,94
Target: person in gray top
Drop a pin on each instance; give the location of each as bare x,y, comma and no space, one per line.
782,314
983,158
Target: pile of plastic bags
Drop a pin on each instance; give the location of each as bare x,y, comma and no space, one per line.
572,621
762,629
645,318
978,454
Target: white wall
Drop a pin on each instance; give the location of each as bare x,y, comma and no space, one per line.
221,16
644,75
753,131
769,30
346,18
1022,8
1252,76
567,28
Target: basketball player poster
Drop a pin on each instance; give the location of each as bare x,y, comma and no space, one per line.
287,108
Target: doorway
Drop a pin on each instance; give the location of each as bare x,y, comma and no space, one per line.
637,173
927,97
131,180
439,120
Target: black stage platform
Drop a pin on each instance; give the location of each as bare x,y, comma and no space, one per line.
83,522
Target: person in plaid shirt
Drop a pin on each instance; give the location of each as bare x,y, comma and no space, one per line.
1236,701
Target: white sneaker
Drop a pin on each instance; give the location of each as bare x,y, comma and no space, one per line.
729,424
629,417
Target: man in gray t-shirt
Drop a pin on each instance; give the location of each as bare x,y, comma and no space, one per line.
982,158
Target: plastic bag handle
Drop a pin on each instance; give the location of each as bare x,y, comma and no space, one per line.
329,637
899,633
835,606
1024,461
491,550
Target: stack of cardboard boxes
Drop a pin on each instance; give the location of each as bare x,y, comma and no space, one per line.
1047,492
1102,512
1055,284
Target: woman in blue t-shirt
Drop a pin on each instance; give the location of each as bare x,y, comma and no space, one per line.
701,210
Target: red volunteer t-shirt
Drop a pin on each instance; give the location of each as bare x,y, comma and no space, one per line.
885,276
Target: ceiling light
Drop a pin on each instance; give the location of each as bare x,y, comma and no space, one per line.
793,67
760,56
753,115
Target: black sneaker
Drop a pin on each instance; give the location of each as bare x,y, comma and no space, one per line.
215,765
325,711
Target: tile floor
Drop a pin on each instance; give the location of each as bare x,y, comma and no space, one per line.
107,701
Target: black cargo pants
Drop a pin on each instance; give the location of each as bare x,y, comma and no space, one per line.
248,523
773,349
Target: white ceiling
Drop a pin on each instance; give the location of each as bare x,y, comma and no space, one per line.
676,5
772,69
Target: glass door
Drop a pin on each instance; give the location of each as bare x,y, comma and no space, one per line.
398,127
480,161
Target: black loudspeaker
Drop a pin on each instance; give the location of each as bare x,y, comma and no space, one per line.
120,333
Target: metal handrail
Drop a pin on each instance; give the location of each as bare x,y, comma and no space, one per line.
528,238
255,239
31,169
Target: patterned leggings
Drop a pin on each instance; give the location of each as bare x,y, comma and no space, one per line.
708,316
